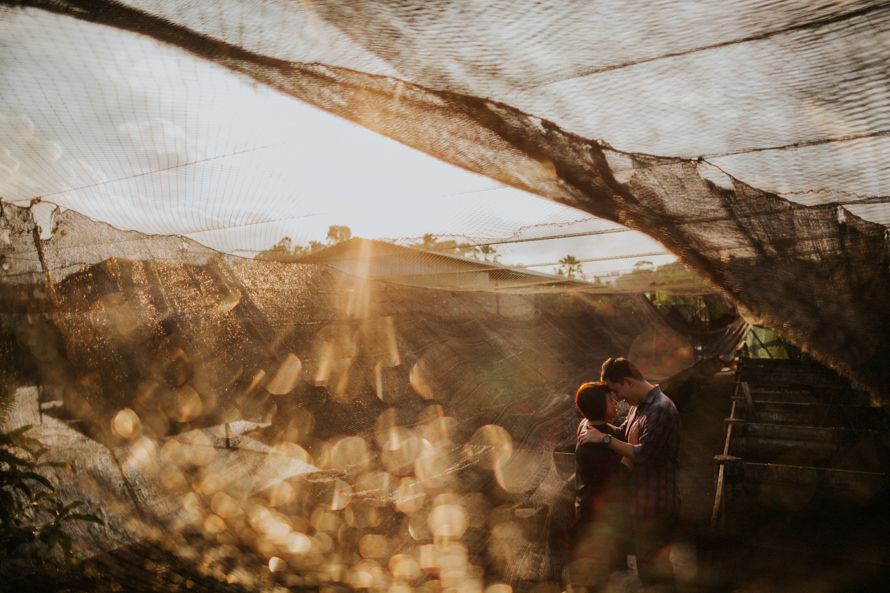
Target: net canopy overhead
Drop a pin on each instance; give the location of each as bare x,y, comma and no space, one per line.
380,412
749,138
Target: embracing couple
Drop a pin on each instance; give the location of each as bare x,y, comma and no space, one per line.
626,476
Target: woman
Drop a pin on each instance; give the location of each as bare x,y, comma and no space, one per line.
602,501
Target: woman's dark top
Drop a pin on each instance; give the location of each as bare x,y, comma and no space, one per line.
600,478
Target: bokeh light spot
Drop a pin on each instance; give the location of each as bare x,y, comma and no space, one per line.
400,450
419,382
142,453
214,524
273,525
661,353
298,543
323,519
405,567
225,505
434,467
439,431
229,299
350,453
126,424
292,450
523,470
342,496
193,448
281,493
429,557
334,349
419,528
489,446
363,575
285,378
448,521
174,480
376,488
410,496
176,367
276,564
374,545
185,404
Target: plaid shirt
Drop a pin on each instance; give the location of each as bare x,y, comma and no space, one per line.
654,425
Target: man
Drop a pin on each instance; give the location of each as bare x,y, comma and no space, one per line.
652,435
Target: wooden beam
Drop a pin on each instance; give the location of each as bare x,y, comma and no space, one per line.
826,477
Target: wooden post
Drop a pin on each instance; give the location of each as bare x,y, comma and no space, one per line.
730,473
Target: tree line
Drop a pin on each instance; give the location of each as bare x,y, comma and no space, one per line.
644,276
286,251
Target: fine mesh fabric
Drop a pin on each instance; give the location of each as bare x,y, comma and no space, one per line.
769,122
260,423
376,416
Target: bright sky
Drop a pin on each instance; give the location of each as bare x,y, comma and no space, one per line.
158,141
144,136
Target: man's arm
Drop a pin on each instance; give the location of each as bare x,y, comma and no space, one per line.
592,435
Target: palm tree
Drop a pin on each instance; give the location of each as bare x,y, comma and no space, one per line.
570,267
487,251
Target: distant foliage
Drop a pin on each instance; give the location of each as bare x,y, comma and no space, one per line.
488,253
286,251
647,278
283,251
429,242
338,234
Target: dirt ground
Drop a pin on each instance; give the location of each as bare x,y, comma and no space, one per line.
817,549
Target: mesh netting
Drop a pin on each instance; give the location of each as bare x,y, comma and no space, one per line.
291,423
789,99
379,416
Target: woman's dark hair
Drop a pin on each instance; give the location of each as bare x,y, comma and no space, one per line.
592,400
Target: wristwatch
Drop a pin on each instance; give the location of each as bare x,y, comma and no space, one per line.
607,439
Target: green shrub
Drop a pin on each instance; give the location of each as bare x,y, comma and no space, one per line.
31,515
